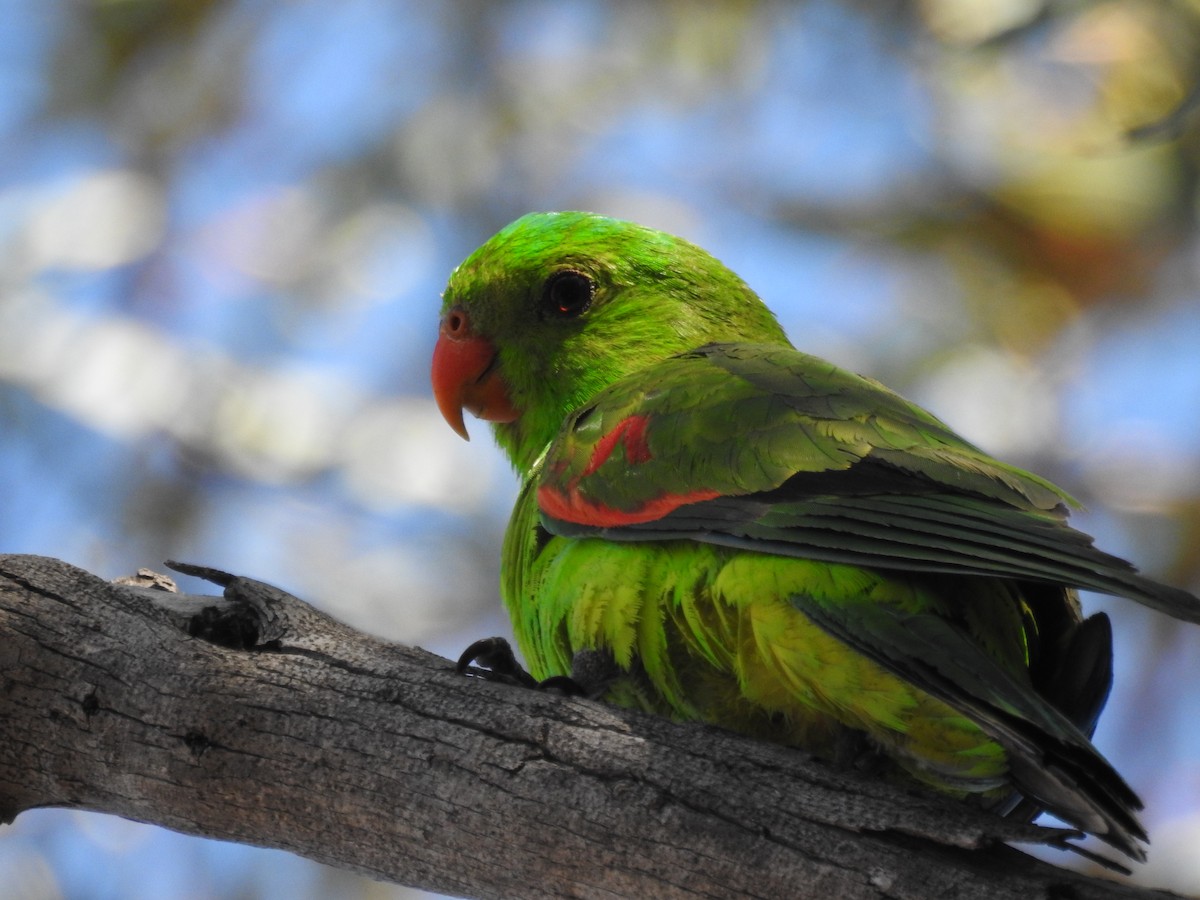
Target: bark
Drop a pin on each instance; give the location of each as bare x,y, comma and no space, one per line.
252,717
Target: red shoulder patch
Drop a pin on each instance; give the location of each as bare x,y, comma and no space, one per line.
569,504
630,433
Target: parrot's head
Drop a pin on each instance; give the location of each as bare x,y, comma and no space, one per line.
558,305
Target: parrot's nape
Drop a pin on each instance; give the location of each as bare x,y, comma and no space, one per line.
757,539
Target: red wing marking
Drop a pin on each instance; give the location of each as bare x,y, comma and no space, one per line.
571,506
629,433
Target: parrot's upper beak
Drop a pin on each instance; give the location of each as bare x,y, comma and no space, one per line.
465,375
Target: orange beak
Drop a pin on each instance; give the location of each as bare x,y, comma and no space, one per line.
465,375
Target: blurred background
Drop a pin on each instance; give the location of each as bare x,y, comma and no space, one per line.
225,224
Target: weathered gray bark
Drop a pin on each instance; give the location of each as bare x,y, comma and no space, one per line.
281,727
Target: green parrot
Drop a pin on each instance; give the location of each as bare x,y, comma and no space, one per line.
751,537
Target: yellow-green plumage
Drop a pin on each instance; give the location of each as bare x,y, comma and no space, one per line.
768,543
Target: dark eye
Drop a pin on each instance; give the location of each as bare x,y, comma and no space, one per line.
567,295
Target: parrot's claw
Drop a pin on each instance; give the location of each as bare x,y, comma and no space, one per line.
853,749
591,670
497,662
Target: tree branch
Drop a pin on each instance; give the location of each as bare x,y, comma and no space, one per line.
255,718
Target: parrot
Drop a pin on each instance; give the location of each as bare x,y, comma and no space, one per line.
714,526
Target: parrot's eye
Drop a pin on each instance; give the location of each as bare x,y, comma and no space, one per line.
567,295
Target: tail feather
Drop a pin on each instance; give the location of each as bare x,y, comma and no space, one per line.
1072,782
1085,792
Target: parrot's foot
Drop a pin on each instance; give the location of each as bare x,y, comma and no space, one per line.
497,663
592,671
854,750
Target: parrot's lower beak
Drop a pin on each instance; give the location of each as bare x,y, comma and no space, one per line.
465,375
